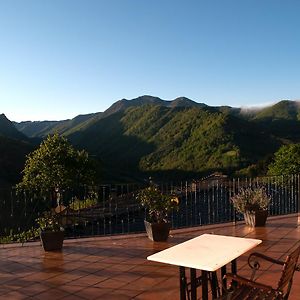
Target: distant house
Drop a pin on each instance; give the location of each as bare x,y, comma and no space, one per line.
216,177
209,181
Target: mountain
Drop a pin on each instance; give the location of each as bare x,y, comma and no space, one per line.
43,128
283,110
281,120
14,146
8,129
180,138
36,128
174,141
124,104
12,158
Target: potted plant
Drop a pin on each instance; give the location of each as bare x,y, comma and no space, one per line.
51,232
158,205
253,204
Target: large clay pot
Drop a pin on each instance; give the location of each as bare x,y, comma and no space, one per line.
256,218
157,232
52,240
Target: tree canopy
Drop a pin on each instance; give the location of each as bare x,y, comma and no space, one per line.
286,160
56,164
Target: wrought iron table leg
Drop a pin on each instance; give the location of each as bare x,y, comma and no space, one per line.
224,280
215,290
233,271
204,285
193,284
183,283
233,267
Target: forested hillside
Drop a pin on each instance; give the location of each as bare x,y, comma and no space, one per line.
41,129
179,141
134,139
281,120
14,146
12,159
7,129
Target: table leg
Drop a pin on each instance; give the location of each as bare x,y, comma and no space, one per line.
193,284
233,267
233,271
183,282
214,285
204,285
224,280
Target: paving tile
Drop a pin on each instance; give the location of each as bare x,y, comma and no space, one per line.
50,294
111,283
5,290
121,294
92,293
88,280
71,289
72,297
117,296
34,289
15,295
127,277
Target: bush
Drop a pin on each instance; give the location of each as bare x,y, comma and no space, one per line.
251,199
78,204
157,203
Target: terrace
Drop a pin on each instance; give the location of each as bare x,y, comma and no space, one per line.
115,267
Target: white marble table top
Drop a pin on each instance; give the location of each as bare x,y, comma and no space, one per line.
207,252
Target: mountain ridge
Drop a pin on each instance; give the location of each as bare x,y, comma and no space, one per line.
43,128
148,136
8,129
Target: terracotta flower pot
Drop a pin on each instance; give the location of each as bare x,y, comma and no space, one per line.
157,232
256,218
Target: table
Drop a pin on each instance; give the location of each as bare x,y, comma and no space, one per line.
208,253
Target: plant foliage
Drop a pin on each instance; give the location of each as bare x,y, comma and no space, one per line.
77,204
56,164
286,160
158,204
50,221
251,199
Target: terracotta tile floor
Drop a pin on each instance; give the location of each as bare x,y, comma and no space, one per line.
116,267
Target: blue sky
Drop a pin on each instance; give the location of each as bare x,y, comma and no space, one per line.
62,58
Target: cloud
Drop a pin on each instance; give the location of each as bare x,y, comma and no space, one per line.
258,106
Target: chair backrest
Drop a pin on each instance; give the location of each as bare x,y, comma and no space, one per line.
286,279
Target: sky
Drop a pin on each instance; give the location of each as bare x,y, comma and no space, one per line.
62,58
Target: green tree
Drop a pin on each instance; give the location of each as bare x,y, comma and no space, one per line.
286,160
56,165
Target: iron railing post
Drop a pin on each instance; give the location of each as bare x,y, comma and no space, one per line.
298,208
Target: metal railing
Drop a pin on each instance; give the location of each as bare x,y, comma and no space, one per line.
116,210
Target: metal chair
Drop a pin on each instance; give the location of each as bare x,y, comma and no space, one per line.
248,289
